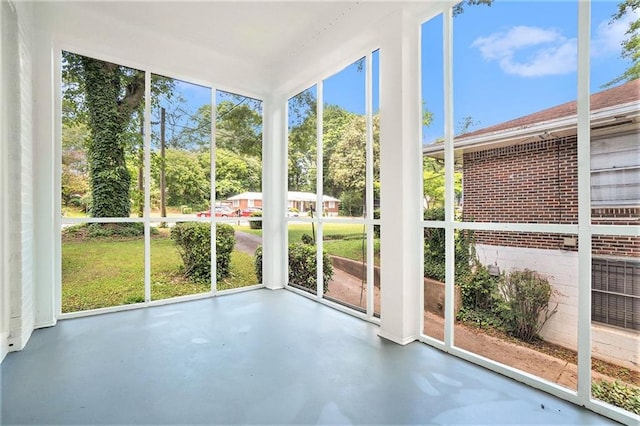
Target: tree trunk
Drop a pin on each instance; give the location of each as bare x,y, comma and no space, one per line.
109,178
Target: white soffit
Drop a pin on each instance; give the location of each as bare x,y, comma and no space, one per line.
272,40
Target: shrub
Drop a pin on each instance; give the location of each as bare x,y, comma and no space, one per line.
526,310
124,230
434,249
302,266
257,263
307,239
618,394
255,224
193,241
479,289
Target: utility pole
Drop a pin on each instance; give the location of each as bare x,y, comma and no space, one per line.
163,203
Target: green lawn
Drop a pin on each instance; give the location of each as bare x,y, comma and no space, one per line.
343,240
104,272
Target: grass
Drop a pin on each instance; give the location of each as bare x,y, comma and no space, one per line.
105,272
242,272
344,240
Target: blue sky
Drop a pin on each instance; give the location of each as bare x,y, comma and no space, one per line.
516,58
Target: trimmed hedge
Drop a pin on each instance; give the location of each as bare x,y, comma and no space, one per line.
194,245
302,266
255,224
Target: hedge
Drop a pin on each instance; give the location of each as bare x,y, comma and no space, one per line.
194,245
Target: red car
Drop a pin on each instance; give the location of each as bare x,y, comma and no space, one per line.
221,211
249,210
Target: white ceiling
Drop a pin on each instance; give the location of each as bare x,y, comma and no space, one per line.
273,39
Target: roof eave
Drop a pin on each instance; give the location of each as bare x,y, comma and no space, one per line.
560,127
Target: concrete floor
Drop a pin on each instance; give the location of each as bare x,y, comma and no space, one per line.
256,357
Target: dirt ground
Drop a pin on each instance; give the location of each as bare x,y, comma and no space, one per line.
345,288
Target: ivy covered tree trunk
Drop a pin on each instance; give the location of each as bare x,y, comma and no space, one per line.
109,106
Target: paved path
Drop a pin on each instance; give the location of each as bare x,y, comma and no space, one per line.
247,243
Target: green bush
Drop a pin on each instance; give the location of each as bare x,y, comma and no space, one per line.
124,230
193,241
302,266
434,248
255,224
257,263
618,394
526,295
479,289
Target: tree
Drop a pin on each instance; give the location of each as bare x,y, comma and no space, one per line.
336,123
466,125
459,8
302,142
631,45
236,173
111,94
74,182
186,181
347,165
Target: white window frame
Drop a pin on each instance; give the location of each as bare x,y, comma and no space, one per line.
584,229
320,219
146,219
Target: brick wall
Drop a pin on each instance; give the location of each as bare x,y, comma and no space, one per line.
536,182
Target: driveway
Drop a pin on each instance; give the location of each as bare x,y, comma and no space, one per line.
247,243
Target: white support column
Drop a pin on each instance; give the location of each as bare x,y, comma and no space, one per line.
46,90
400,180
584,203
274,192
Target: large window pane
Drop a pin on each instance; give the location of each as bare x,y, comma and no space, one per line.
102,266
302,256
238,156
344,142
433,283
615,318
519,301
243,269
180,263
181,148
346,246
102,110
433,113
519,160
302,151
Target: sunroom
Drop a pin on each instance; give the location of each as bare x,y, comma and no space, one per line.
131,130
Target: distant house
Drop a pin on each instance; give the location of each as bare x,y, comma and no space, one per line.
302,201
525,171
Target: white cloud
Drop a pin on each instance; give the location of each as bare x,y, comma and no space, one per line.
547,51
608,37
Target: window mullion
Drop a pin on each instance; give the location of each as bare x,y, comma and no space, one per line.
147,187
